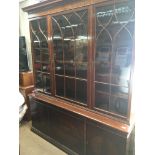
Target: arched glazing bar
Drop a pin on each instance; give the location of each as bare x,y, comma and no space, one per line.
113,54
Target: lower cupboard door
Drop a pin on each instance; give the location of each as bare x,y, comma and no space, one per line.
101,142
39,114
67,129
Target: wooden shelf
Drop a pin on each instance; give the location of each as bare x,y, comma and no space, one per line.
43,72
71,77
42,62
120,95
41,48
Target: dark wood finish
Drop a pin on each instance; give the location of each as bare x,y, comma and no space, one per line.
70,54
25,91
64,127
90,55
45,5
40,115
64,7
40,5
88,110
100,142
105,95
103,119
72,127
40,55
80,135
50,46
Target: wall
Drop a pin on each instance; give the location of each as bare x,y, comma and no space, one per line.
24,27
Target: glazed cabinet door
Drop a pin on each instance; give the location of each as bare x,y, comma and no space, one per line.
41,55
113,56
70,48
102,142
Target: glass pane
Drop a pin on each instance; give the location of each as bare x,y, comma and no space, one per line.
59,86
58,48
69,51
118,105
46,83
39,33
38,66
70,41
34,30
70,88
59,68
69,69
124,13
102,64
102,94
46,68
119,91
45,57
103,44
34,25
121,59
81,70
43,25
42,33
38,81
114,45
37,55
81,91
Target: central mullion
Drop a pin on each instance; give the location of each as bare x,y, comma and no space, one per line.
75,66
90,71
51,53
63,59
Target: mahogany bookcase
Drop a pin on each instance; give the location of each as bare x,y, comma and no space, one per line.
83,61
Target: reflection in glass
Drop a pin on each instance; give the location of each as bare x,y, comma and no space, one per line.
46,68
46,83
68,51
81,70
69,69
59,86
39,33
38,81
70,88
114,45
101,101
118,105
59,68
45,57
121,59
124,13
121,91
102,94
102,64
37,55
81,91
38,29
70,41
58,49
42,33
38,66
